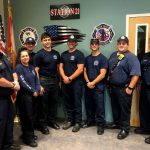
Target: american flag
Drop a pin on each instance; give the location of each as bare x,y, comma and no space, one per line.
2,37
60,34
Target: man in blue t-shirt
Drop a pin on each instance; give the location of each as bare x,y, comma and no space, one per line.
46,64
94,74
71,69
124,71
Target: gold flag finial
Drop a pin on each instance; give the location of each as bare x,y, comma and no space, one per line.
17,119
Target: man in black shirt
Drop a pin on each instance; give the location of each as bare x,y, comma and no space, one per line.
71,71
46,63
94,74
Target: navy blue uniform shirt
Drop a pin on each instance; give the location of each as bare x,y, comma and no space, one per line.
31,56
71,60
93,66
5,68
145,67
126,68
7,73
27,78
47,61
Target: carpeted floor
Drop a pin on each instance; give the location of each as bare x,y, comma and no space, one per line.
85,139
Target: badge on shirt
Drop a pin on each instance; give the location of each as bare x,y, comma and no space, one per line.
55,57
72,58
96,63
120,57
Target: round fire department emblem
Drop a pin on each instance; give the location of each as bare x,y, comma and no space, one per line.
28,32
104,33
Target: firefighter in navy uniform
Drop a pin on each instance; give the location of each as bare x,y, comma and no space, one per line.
30,44
46,63
145,97
29,90
124,71
71,69
8,83
94,73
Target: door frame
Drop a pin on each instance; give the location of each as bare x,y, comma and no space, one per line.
127,31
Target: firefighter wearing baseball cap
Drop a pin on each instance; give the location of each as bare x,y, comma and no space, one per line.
94,73
30,45
124,71
71,70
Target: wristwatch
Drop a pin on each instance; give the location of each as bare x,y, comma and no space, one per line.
130,88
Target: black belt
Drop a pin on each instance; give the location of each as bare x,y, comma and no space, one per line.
47,78
118,86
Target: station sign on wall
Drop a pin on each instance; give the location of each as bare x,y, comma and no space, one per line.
65,11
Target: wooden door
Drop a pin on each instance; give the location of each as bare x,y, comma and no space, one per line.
138,32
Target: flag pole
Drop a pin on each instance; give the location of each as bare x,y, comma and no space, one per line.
11,40
12,55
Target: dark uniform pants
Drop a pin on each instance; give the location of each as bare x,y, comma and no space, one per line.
94,103
72,95
25,106
40,116
145,108
6,123
49,100
121,107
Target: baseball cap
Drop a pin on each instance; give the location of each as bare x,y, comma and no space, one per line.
72,39
96,41
123,38
30,40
